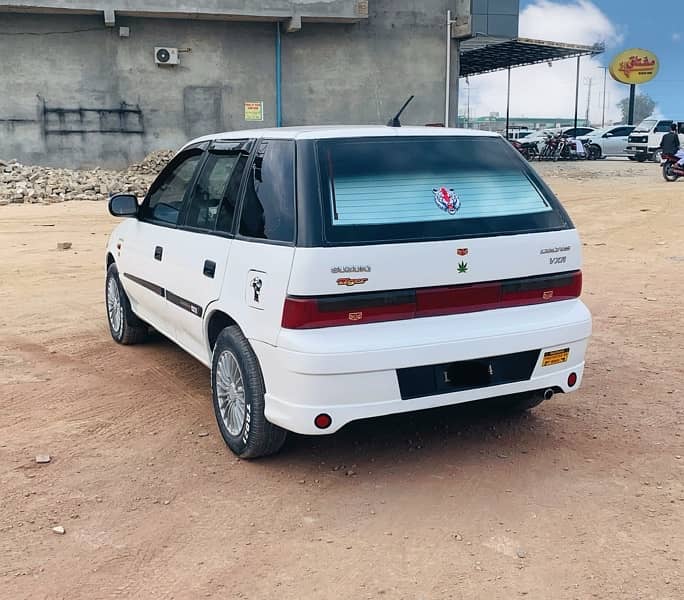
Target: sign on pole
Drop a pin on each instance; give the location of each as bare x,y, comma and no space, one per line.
632,67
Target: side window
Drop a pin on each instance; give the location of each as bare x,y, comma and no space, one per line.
210,189
268,210
681,127
166,198
663,126
224,223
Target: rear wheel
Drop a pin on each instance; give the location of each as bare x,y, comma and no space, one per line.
668,173
238,395
125,327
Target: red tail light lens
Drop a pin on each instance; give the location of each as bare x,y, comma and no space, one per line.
432,302
374,307
538,290
348,309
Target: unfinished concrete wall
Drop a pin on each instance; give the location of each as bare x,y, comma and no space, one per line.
74,93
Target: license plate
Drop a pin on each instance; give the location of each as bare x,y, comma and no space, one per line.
556,357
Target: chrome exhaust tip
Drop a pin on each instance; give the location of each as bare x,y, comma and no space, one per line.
548,394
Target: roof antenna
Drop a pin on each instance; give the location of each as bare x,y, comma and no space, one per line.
395,122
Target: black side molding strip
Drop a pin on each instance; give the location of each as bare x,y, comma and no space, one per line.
146,284
184,304
191,307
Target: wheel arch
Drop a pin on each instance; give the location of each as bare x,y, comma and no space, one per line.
216,322
110,259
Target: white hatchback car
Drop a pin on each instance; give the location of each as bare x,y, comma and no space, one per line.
332,274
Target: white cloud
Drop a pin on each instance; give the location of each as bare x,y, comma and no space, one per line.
540,91
676,37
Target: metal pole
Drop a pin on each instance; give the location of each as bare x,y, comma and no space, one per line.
448,70
577,84
632,102
457,78
278,77
605,77
508,103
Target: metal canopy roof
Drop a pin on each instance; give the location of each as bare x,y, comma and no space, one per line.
519,53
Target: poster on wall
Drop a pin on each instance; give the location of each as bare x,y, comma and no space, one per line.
254,111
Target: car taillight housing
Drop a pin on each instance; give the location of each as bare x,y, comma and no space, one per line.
373,307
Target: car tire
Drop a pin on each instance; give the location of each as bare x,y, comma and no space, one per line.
657,156
594,152
238,391
126,328
641,158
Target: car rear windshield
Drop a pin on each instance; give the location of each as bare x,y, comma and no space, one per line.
396,189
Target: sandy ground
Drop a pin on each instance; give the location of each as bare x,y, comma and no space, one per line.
583,498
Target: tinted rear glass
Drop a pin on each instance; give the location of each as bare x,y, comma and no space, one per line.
389,189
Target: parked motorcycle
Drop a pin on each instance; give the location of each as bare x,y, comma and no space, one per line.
671,170
528,149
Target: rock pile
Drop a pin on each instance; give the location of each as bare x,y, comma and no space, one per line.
22,183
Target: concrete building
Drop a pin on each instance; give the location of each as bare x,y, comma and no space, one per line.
81,82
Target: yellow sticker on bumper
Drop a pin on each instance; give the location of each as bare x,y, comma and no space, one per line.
556,357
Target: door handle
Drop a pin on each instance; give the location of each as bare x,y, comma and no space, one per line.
209,269
158,252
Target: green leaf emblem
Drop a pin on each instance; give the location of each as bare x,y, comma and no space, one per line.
463,267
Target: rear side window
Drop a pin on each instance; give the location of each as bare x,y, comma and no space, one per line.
210,190
387,189
268,210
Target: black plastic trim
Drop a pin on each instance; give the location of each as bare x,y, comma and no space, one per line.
445,378
153,287
191,307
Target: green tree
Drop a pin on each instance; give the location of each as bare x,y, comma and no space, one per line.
643,107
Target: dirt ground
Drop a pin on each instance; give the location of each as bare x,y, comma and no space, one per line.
583,498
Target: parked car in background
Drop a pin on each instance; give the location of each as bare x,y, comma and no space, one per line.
331,274
543,135
644,142
608,141
518,134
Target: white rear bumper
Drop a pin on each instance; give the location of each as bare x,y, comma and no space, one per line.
350,372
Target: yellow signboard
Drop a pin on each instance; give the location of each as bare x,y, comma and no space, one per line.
634,66
254,111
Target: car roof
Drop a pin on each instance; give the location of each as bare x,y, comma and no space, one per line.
341,131
610,128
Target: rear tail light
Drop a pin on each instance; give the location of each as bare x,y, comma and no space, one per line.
348,309
374,307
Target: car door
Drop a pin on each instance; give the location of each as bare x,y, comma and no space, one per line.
263,250
142,252
615,141
198,250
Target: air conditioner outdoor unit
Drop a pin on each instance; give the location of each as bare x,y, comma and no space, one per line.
166,56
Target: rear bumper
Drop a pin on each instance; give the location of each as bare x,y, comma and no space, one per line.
350,373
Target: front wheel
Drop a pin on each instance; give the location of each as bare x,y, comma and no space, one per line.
594,152
668,173
125,327
238,390
657,156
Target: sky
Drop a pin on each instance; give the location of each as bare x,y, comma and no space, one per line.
546,91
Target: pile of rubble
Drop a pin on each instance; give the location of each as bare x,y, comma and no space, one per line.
22,183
